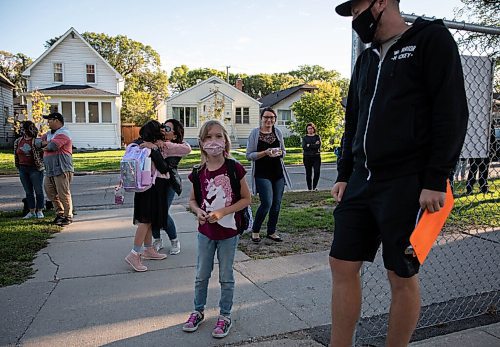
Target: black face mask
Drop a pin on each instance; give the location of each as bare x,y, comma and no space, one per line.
365,25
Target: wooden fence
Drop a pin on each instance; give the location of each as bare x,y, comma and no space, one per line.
130,132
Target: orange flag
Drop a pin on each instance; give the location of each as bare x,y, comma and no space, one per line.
427,230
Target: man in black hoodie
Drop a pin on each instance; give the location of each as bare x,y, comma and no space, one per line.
405,124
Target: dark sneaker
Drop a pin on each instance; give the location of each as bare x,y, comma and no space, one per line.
194,320
222,327
58,219
65,221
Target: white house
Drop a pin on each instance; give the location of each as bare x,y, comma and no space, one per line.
281,102
83,87
191,107
6,110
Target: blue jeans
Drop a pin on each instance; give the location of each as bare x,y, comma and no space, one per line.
270,194
171,230
205,264
32,181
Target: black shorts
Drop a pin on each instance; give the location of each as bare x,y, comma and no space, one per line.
374,212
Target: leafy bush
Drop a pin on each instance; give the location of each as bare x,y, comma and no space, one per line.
293,141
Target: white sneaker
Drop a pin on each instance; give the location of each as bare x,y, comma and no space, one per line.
39,214
29,215
176,246
158,244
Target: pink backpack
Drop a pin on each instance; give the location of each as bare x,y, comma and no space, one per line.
137,171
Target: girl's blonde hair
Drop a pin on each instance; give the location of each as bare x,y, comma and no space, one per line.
205,128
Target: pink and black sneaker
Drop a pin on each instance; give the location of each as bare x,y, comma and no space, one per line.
222,327
194,320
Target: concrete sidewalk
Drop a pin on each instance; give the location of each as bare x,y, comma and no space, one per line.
84,294
486,336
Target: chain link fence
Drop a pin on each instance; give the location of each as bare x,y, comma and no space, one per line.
460,278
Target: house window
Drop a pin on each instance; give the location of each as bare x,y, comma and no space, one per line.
80,112
106,112
67,111
53,108
90,73
93,112
5,114
242,115
188,116
58,72
284,117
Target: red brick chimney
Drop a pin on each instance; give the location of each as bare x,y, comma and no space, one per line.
239,84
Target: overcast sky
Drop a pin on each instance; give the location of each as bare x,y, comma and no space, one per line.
250,36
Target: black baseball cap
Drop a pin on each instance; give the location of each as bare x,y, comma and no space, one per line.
344,9
55,115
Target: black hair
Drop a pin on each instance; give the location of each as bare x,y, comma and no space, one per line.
30,128
150,132
267,109
312,125
178,130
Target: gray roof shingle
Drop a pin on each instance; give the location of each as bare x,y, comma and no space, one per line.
272,99
65,89
5,80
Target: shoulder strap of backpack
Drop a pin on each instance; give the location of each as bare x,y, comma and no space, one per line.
196,184
233,177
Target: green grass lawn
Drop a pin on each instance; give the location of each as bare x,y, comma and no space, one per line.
301,211
20,240
102,161
476,210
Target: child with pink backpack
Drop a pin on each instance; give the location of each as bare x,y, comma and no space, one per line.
148,178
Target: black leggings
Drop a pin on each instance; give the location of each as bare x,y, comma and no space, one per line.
312,162
482,165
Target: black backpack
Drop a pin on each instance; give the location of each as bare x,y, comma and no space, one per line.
244,214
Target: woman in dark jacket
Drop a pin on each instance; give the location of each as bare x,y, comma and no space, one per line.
29,161
173,150
311,144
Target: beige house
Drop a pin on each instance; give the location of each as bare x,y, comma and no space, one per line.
213,98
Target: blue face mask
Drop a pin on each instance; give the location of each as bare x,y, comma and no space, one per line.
365,24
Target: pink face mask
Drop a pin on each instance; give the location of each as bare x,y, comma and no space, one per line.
214,148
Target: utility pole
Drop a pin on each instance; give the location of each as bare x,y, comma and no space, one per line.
227,73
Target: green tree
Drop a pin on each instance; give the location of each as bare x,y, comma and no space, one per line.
284,81
39,107
258,85
12,65
127,56
181,78
323,108
178,79
154,82
309,73
137,107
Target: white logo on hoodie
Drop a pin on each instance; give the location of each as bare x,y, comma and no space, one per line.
404,53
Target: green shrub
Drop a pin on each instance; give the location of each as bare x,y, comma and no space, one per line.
293,141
